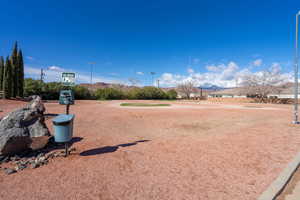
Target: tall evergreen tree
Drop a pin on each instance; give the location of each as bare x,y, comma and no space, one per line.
7,81
20,74
1,72
15,70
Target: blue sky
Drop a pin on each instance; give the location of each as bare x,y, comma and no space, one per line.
212,41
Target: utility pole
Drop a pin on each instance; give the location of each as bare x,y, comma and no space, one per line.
42,75
91,79
157,83
296,73
201,92
152,75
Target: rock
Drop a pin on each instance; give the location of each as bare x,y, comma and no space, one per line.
20,167
24,129
9,171
34,165
5,159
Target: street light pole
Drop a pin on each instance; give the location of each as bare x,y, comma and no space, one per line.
296,73
152,75
92,63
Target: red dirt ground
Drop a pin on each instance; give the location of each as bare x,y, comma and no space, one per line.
192,151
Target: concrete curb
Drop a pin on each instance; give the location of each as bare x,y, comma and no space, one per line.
281,181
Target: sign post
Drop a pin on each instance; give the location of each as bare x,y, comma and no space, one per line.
68,78
66,97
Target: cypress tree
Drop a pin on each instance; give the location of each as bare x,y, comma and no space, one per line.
15,70
20,74
7,81
1,72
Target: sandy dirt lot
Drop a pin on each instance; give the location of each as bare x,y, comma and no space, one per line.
186,151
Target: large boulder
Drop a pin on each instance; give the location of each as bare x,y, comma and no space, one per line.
24,129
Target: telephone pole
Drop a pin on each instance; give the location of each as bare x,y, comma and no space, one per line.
296,73
42,75
152,75
92,63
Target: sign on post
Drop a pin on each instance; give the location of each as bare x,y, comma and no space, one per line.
68,78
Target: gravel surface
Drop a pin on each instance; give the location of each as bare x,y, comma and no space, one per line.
181,152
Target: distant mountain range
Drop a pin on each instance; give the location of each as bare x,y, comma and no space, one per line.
212,87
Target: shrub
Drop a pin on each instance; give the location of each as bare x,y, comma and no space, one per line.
133,93
50,91
81,92
32,87
109,94
171,94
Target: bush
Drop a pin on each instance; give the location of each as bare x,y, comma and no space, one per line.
133,93
171,94
109,94
81,92
32,87
146,93
50,91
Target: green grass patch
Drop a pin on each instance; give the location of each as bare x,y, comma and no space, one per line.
144,104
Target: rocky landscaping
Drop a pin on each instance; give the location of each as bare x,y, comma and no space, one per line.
25,140
31,159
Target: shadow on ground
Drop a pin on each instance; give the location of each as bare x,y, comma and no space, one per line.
52,145
109,149
50,115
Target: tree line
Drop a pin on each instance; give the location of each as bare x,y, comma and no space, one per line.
50,91
12,74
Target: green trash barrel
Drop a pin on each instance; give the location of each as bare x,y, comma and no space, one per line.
63,127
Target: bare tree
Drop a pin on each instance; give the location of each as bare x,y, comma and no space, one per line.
186,88
261,84
134,81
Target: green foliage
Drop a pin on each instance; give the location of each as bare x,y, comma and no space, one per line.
1,72
7,79
133,93
12,74
171,94
109,94
50,91
20,79
81,92
148,92
32,87
15,70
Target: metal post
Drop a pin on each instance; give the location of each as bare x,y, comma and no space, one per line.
67,108
296,74
92,63
91,73
66,149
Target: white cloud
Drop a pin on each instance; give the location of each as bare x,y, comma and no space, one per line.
54,74
140,73
223,75
257,62
215,68
56,68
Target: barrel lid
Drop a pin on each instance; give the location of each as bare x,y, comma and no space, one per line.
63,118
